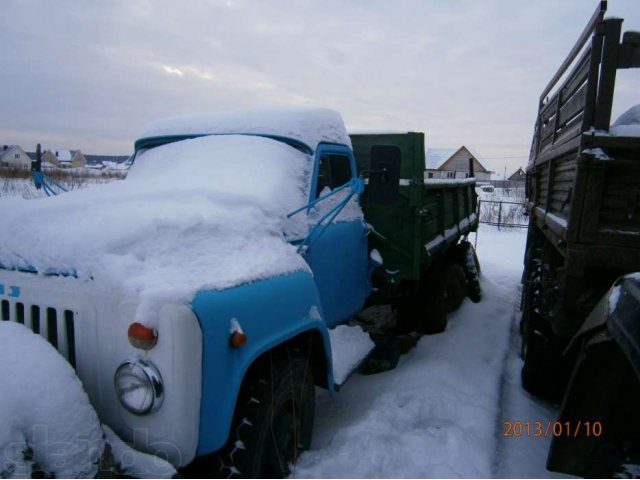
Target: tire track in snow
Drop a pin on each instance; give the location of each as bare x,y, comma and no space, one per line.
503,392
522,457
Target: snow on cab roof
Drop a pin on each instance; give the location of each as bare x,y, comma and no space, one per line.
308,125
627,124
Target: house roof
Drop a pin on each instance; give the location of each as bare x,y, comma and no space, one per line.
437,157
6,151
66,155
517,174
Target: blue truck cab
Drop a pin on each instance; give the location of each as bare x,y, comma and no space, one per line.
282,319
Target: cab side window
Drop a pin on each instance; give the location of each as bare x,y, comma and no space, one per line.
334,171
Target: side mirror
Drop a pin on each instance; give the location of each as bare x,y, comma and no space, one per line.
384,176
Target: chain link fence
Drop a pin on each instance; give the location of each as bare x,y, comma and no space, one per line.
503,214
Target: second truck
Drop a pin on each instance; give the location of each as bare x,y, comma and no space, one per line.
581,295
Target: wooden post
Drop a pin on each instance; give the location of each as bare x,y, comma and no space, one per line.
499,214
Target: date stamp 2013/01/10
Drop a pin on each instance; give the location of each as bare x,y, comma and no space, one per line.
547,428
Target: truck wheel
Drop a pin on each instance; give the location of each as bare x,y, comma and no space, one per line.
536,352
540,363
273,421
455,290
435,320
465,255
442,291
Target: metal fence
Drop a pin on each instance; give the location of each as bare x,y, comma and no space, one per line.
502,213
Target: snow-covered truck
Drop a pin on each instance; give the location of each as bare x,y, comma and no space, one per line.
581,300
203,298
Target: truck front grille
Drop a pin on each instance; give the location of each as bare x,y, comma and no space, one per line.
53,324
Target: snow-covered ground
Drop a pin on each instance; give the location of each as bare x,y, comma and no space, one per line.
441,412
25,188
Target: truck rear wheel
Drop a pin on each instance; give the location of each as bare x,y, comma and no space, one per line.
545,370
442,291
435,310
465,255
455,287
273,421
542,362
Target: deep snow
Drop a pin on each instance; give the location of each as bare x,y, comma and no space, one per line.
46,421
44,408
441,412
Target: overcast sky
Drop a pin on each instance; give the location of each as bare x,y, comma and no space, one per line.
90,75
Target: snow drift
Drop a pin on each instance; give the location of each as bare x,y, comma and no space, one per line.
45,415
48,427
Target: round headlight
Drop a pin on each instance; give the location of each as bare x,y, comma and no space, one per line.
139,387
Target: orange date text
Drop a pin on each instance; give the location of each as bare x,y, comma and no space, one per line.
551,429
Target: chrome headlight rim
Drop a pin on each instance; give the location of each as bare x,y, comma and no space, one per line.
147,372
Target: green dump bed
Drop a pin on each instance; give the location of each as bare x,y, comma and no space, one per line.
414,224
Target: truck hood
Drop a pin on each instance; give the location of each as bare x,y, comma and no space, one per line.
207,213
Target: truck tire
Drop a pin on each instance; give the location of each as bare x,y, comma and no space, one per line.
465,255
542,359
273,421
445,290
544,370
435,319
423,312
442,291
455,290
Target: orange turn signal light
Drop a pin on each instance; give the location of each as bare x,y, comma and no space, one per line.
238,339
141,336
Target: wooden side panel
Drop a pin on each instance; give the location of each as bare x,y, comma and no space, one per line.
611,210
542,184
562,186
620,209
448,208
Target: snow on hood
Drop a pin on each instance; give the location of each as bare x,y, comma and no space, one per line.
627,124
205,213
309,125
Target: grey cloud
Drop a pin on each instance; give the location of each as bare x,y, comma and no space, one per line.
89,75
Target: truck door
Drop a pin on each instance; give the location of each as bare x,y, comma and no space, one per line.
339,256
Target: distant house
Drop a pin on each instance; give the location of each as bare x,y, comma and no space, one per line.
14,156
118,163
454,163
518,176
65,158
